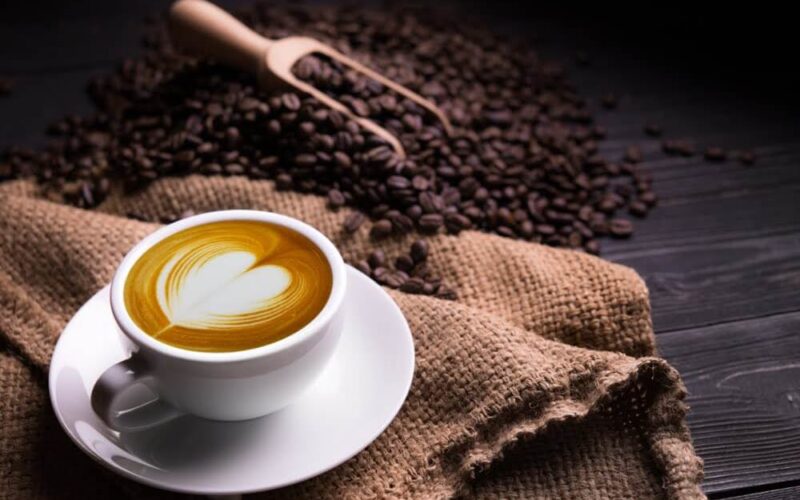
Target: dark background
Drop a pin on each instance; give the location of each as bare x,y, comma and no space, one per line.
721,253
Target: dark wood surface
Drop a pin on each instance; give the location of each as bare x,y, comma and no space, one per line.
721,254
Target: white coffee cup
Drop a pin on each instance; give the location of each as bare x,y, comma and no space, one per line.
236,385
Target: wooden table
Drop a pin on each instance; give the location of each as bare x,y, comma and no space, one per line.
721,253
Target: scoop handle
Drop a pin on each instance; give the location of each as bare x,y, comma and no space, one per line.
205,30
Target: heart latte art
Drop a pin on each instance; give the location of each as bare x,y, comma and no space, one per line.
228,286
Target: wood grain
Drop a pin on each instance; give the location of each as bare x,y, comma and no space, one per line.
788,493
707,282
744,392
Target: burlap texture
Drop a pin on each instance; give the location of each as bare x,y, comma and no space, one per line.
539,382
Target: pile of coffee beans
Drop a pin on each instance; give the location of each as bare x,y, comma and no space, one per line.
410,272
522,161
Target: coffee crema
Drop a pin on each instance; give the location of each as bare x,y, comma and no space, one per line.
228,286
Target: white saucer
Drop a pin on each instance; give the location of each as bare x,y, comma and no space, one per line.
351,403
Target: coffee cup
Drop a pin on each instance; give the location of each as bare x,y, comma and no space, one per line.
222,382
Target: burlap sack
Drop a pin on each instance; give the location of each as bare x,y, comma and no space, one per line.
537,383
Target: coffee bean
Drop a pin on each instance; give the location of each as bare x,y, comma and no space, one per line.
381,229
652,130
649,198
599,132
609,101
397,182
392,280
274,127
305,160
682,148
638,208
746,157
413,285
290,101
402,224
592,247
506,231
421,270
234,169
419,251
377,258
633,154
353,221
430,202
446,293
527,229
620,228
335,199
456,222
574,240
342,160
404,263
545,229
715,154
378,272
430,223
420,183
414,212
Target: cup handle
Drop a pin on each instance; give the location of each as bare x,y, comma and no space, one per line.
112,386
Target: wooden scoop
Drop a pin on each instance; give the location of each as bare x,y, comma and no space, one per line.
206,30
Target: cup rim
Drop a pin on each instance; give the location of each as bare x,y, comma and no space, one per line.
142,339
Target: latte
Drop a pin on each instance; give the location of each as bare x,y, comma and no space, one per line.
228,286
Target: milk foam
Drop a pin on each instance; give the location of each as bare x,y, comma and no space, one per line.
214,292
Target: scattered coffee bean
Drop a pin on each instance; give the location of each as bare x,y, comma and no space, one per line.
413,285
381,229
419,251
633,154
377,258
638,208
609,101
430,223
652,130
446,293
620,228
746,157
354,221
679,147
335,199
394,280
378,272
648,198
715,154
404,263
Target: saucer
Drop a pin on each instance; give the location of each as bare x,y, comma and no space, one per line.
350,404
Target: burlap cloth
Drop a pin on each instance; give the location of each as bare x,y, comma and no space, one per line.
539,382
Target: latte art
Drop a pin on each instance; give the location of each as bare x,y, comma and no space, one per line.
228,286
